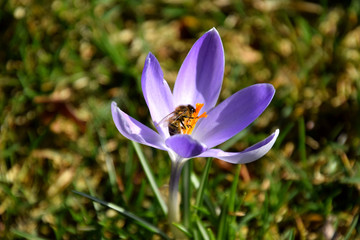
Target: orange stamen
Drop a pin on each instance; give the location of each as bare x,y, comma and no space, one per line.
191,122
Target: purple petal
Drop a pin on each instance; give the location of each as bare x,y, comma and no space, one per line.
233,115
248,155
201,74
134,130
185,146
156,91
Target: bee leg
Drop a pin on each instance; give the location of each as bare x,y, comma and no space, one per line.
182,124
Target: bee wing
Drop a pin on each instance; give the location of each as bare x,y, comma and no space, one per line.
164,119
171,115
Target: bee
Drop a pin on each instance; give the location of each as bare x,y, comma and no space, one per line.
178,119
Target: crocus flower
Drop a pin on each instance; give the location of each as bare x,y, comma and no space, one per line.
198,84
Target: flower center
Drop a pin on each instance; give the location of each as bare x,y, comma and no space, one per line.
190,122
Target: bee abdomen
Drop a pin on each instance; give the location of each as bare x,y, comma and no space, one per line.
173,129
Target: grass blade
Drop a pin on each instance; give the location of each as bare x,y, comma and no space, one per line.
200,194
150,177
302,136
233,189
203,232
353,225
186,196
26,235
196,235
183,229
232,220
211,234
138,220
109,164
292,234
222,230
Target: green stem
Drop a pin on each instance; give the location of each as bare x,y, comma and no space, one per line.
174,203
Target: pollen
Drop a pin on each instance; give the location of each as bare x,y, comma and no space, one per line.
192,120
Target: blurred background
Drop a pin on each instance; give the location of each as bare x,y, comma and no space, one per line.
63,62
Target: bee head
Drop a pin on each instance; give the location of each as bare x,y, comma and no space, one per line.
191,108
